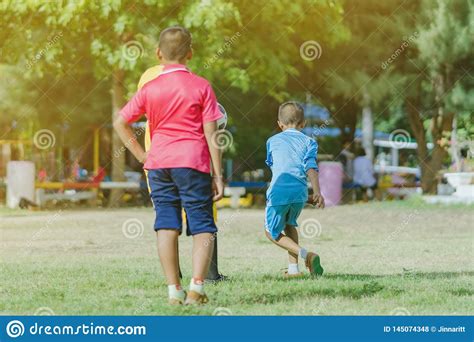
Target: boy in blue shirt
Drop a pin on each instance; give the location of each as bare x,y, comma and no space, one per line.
291,155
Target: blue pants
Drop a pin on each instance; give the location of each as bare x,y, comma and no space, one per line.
172,189
277,217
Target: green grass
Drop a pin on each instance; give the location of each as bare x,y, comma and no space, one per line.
383,258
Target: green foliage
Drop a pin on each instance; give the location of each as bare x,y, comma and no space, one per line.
448,36
445,46
247,50
65,52
14,99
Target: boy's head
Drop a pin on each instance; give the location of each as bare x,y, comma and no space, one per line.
291,115
360,152
174,45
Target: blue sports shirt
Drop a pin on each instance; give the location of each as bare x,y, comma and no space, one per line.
290,154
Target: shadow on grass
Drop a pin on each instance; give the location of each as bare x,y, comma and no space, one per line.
461,292
309,286
417,275
368,285
290,294
375,277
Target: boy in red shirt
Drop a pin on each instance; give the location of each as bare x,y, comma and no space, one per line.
182,111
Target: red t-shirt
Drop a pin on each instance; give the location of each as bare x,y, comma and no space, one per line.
177,104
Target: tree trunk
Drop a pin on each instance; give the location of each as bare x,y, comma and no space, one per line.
368,127
441,130
430,164
416,124
441,127
345,119
455,150
118,149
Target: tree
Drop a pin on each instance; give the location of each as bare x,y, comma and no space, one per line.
111,33
445,91
263,66
353,82
237,44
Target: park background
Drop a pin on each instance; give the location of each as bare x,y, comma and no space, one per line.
395,71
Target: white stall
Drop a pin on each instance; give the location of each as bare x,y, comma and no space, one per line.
20,182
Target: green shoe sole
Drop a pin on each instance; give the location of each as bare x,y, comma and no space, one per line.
318,270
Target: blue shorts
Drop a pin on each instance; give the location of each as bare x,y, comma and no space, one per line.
176,188
279,216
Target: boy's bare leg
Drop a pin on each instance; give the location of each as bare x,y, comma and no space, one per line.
292,233
285,242
311,259
203,246
168,252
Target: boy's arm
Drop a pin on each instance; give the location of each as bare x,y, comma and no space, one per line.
269,159
210,115
131,112
129,138
311,168
317,199
210,132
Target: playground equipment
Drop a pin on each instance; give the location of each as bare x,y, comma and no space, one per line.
67,191
234,194
234,198
393,166
21,175
70,190
76,191
79,191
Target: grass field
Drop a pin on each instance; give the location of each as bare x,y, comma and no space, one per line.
380,258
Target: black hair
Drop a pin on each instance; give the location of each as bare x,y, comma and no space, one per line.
360,152
291,113
175,43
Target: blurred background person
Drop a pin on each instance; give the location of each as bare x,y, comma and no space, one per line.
364,175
